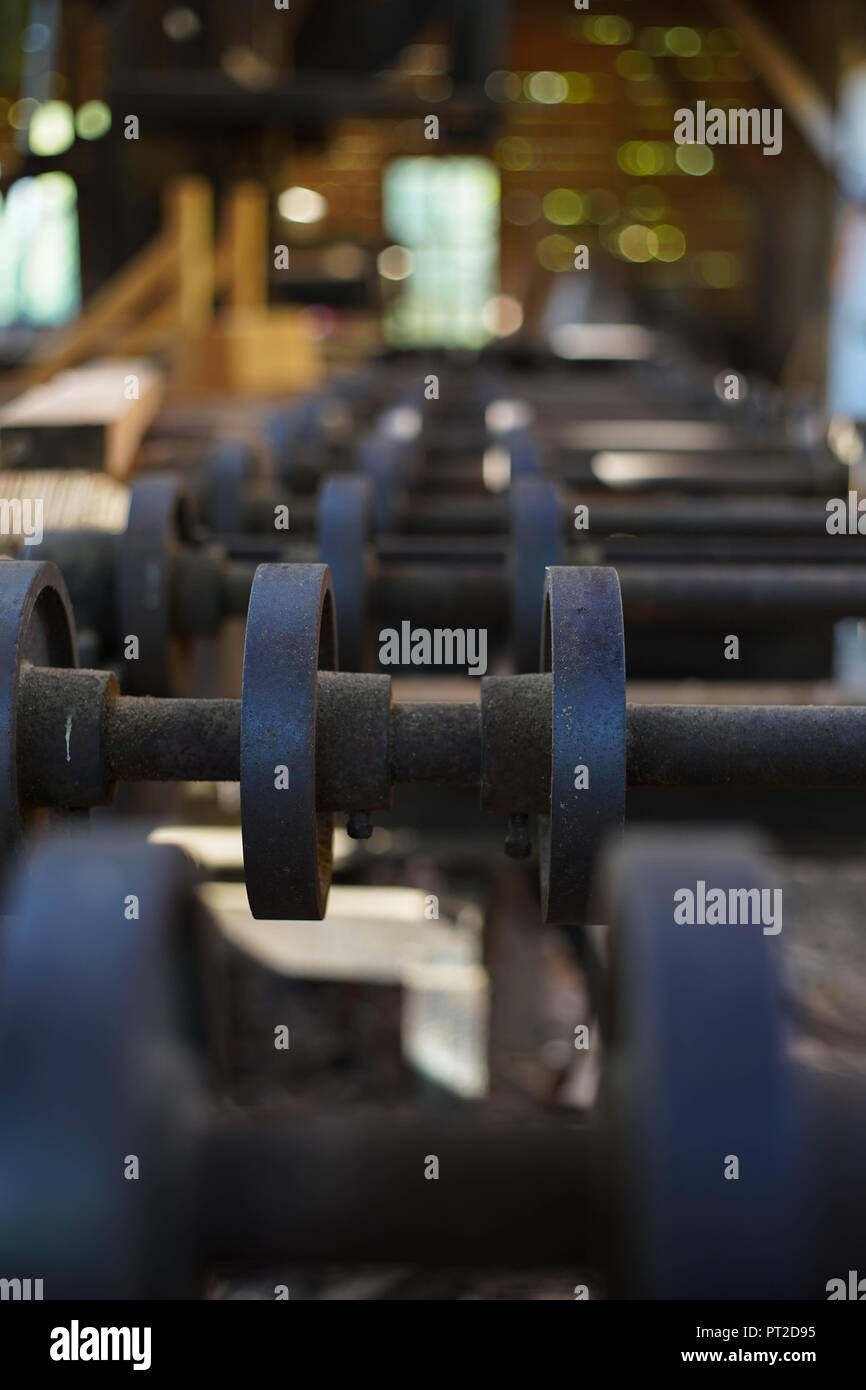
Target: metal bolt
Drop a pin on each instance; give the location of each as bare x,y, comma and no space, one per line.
359,825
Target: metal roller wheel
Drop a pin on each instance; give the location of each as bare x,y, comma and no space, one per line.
583,648
698,1079
36,629
535,542
343,523
290,637
87,560
524,453
226,474
381,461
160,519
104,1006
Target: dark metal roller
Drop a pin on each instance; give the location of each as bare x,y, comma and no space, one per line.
36,629
227,474
101,1039
536,542
290,635
160,519
343,521
106,999
711,1146
584,649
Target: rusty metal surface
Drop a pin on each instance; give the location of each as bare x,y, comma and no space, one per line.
353,732
516,743
438,595
150,740
160,512
536,541
227,470
696,1039
755,746
287,843
652,593
61,737
197,591
87,561
364,744
674,514
583,636
345,506
106,1035
436,743
37,629
720,549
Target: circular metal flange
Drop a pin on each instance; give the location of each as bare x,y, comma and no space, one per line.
290,636
36,629
709,1146
583,647
344,511
523,450
227,471
382,462
535,542
87,560
294,441
160,519
103,1019
277,432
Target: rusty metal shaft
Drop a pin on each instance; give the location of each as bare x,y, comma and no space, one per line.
76,736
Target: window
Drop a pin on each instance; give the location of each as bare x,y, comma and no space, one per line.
445,213
40,281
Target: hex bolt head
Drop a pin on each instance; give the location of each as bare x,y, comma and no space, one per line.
359,825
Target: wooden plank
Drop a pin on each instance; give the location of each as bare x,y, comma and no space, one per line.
71,499
152,334
270,351
92,417
247,235
190,216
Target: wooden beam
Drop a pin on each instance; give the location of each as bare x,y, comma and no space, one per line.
189,215
150,272
150,334
247,237
92,418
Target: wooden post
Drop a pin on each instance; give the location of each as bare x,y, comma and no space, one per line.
190,215
247,234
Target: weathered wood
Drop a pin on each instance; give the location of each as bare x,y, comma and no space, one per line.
247,237
92,417
72,499
148,274
155,332
189,214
